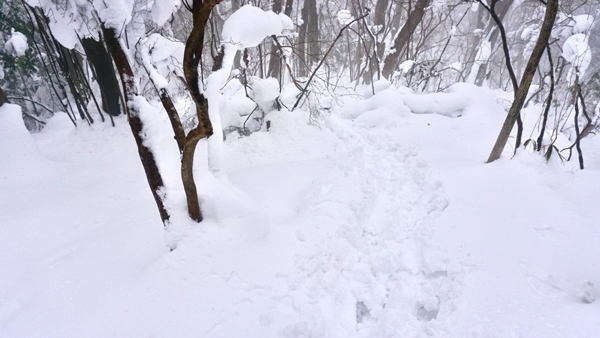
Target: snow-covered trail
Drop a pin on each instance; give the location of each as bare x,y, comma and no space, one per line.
347,250
367,231
360,215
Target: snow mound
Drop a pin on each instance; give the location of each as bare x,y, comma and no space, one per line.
19,151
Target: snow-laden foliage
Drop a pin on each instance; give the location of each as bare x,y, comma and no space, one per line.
16,44
577,53
249,26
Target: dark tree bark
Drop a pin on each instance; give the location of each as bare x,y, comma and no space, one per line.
414,18
3,98
104,73
521,94
578,135
275,59
308,38
127,79
169,107
380,8
289,5
301,46
312,33
191,59
165,98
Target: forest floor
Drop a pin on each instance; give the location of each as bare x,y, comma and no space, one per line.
379,219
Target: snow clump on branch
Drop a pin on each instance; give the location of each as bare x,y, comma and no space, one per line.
17,44
249,25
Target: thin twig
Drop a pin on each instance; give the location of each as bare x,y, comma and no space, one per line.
325,57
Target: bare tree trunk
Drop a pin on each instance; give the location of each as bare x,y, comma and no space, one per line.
274,58
521,94
302,36
191,59
414,18
578,134
312,34
104,73
289,5
148,161
380,8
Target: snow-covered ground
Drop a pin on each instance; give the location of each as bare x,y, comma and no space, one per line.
380,221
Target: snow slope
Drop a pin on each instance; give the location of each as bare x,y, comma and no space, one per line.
376,223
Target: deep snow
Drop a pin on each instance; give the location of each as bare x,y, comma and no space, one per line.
378,222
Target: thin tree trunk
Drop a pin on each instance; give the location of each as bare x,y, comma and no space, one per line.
148,161
89,88
191,59
540,138
169,107
521,94
70,75
578,135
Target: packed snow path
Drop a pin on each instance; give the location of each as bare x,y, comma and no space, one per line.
363,225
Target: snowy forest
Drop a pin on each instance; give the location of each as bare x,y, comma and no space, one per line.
300,168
